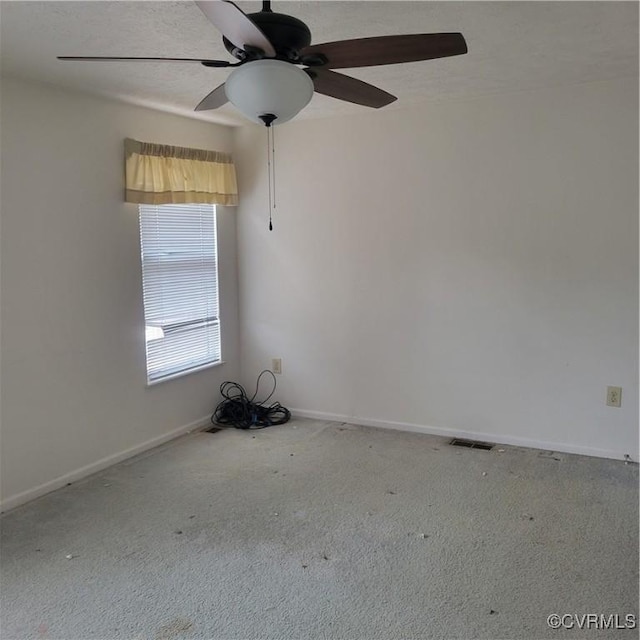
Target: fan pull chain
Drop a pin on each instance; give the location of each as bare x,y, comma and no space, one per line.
271,171
273,162
268,119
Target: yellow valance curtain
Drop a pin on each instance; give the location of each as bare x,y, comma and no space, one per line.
162,174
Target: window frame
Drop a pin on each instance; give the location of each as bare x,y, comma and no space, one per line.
155,284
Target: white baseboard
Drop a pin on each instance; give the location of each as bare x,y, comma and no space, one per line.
31,494
472,435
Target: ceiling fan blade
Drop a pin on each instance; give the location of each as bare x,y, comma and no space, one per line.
205,62
369,52
215,99
235,25
349,89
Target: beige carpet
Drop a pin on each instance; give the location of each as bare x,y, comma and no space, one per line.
319,530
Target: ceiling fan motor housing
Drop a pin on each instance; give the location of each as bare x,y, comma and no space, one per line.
287,34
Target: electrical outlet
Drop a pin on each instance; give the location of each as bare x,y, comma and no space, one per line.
276,365
614,396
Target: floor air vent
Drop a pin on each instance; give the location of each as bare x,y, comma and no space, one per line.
471,444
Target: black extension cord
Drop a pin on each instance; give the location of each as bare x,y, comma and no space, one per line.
239,411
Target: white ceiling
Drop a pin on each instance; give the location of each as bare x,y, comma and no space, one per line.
513,46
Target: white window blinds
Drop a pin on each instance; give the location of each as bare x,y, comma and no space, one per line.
180,281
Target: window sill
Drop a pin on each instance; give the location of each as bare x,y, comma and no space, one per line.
182,374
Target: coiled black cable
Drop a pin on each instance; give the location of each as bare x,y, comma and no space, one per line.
239,411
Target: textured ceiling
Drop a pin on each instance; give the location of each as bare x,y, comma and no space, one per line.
513,46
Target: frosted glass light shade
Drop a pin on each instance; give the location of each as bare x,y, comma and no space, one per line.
269,86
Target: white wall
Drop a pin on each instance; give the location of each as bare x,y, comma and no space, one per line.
73,355
468,267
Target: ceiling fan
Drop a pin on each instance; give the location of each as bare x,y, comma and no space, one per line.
267,83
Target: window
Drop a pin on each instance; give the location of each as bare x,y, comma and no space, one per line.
180,283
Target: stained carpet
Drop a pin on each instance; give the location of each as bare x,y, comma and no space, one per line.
317,530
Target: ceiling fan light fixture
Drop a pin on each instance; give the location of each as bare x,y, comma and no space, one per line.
269,86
